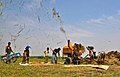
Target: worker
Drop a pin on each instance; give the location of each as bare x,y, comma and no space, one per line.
8,51
46,55
94,53
54,55
90,49
26,55
76,55
101,57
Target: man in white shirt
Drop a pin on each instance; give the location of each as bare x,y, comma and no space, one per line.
46,55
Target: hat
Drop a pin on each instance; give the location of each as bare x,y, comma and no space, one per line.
27,47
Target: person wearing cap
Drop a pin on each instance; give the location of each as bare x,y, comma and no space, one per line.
54,55
46,55
8,51
26,55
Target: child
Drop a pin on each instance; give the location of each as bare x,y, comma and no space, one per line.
24,58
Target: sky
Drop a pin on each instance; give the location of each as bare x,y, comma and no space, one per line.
31,22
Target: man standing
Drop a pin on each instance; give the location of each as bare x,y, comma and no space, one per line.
8,50
54,55
46,55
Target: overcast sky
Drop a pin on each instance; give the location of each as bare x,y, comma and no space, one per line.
31,22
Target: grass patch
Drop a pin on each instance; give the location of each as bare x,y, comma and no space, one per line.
15,70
